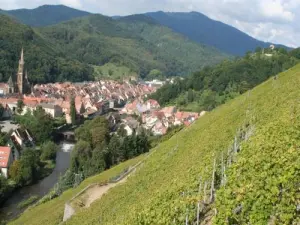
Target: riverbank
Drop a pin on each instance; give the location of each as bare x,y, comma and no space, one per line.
9,210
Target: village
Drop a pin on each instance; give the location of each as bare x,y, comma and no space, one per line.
125,104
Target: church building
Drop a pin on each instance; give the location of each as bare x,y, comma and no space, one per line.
19,83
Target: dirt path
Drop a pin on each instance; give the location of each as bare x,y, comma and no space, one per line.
96,192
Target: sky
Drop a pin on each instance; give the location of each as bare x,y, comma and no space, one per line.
275,21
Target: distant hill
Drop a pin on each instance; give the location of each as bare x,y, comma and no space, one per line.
136,42
45,15
204,30
77,49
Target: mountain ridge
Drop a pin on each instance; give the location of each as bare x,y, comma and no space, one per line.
214,33
97,40
222,36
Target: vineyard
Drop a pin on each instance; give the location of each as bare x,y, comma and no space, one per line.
239,164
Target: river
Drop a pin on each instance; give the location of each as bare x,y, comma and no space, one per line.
10,210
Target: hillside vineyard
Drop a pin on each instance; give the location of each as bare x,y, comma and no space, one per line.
235,160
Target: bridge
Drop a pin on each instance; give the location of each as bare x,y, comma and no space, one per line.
68,135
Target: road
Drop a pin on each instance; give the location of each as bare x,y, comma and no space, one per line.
7,126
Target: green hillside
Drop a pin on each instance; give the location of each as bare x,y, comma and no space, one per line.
212,86
202,29
253,138
116,48
137,44
44,15
43,60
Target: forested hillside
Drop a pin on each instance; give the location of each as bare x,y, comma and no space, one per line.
43,60
204,30
212,86
71,50
139,44
45,15
238,164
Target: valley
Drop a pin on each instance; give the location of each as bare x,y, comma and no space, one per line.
176,118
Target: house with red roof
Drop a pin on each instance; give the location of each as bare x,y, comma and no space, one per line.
152,104
4,88
6,159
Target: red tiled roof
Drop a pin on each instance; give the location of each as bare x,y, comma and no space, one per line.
3,85
38,99
168,110
158,114
4,156
31,103
4,101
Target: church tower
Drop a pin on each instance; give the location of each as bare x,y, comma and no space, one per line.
20,74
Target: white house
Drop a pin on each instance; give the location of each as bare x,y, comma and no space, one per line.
52,109
6,160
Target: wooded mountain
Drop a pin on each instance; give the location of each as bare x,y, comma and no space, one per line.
137,42
45,15
194,25
44,61
204,30
206,89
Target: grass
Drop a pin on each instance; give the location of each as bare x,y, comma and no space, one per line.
27,202
113,71
39,215
163,189
155,194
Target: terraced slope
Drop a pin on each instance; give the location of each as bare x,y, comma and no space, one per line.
262,182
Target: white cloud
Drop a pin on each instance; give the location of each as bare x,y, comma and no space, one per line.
71,3
268,20
275,9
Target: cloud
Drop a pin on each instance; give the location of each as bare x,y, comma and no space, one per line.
275,9
267,20
71,3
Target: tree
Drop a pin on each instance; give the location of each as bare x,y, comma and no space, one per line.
29,166
1,111
20,105
43,129
49,150
258,50
110,72
3,137
26,170
121,131
81,155
15,171
73,111
190,95
39,123
4,189
155,74
115,150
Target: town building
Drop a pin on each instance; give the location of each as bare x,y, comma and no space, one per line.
52,109
19,83
6,159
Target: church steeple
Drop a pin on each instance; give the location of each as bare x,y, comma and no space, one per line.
20,75
19,83
22,57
